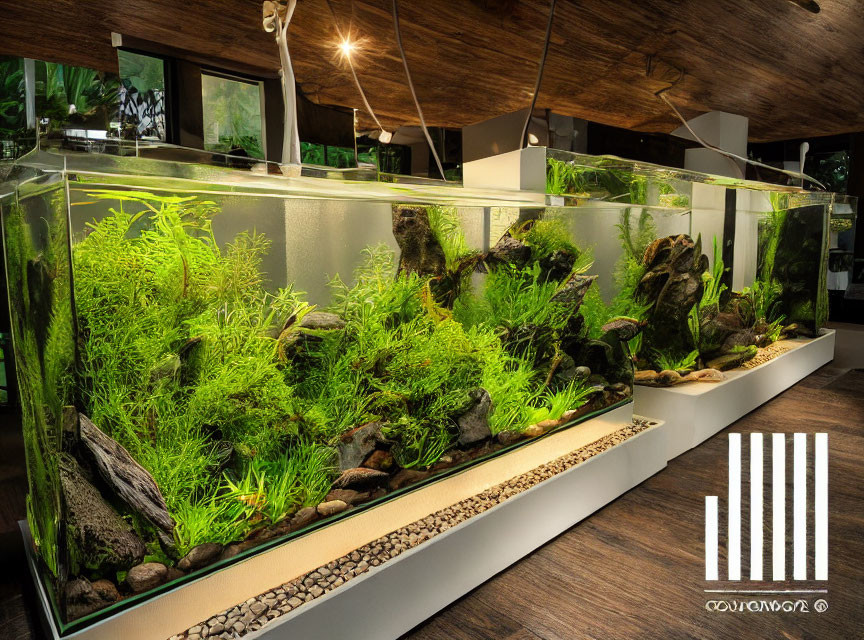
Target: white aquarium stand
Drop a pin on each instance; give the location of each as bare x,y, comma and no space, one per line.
695,411
399,594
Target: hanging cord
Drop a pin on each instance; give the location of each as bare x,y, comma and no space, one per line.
800,175
523,139
411,87
353,71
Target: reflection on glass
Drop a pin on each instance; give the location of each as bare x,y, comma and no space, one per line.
232,116
142,95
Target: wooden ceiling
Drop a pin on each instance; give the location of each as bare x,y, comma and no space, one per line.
792,72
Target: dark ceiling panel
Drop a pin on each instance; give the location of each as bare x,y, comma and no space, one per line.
792,72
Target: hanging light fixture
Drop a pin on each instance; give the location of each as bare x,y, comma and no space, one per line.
276,18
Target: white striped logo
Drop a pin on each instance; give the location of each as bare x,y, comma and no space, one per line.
802,490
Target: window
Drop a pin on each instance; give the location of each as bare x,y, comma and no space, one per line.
232,111
142,95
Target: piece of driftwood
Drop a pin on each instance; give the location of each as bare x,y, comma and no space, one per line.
132,482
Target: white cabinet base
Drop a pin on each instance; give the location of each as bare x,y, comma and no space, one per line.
695,411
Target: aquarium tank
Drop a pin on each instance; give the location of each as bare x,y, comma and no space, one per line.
841,249
212,360
717,271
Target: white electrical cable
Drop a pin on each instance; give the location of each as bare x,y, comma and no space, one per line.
539,74
800,175
411,87
354,72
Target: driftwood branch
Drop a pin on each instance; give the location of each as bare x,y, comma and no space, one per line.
132,482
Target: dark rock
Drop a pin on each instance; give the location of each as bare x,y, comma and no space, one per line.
304,516
331,508
557,265
473,425
173,574
625,329
101,538
143,577
450,459
132,482
671,286
348,496
322,321
508,250
83,598
509,437
421,253
360,478
357,444
406,477
235,549
572,292
200,556
106,590
380,460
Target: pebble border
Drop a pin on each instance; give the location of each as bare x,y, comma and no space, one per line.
256,612
768,353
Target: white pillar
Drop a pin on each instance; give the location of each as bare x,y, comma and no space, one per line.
724,130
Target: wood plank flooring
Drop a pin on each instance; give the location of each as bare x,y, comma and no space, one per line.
633,570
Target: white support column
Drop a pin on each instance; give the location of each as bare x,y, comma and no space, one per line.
724,130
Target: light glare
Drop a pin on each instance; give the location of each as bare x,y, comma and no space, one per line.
347,48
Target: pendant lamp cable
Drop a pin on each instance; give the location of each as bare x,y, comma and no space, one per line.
799,175
414,93
353,71
523,139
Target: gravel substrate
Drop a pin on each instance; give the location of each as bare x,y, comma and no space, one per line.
256,612
769,353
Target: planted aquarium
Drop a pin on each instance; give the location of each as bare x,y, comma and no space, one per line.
719,273
212,361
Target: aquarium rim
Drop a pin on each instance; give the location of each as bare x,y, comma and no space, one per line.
651,170
180,175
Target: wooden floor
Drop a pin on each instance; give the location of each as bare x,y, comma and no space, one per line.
634,569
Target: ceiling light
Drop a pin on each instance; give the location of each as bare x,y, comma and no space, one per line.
347,48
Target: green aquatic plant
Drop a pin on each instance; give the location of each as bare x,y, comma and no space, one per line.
444,222
235,398
563,178
275,488
37,269
545,237
666,362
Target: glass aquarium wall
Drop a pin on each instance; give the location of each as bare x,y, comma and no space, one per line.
717,270
841,250
242,358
